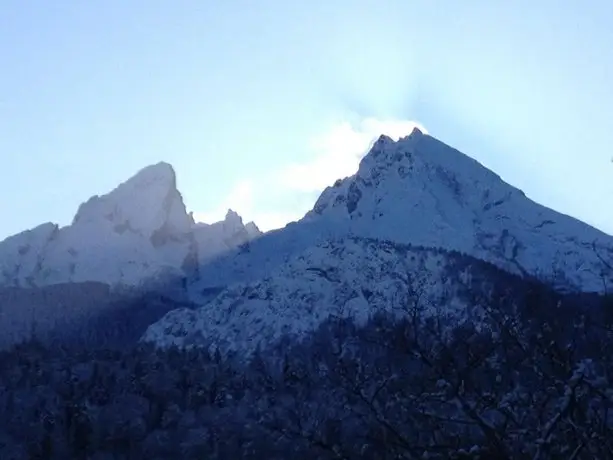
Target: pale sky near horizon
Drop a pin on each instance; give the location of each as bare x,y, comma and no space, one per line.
259,105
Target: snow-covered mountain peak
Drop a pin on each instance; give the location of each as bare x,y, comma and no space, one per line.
138,231
233,224
416,132
418,190
160,173
419,153
138,235
220,237
147,204
252,229
233,219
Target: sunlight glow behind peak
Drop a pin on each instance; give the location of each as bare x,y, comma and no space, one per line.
338,151
334,154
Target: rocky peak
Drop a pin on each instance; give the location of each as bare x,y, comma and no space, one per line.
219,237
233,222
421,191
411,165
145,204
138,231
253,230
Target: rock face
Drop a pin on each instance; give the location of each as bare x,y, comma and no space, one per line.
138,233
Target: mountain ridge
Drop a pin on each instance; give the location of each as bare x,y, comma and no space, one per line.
464,204
139,233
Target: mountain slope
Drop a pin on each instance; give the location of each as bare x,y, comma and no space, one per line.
420,191
351,277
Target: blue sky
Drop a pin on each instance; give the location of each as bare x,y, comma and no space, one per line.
258,104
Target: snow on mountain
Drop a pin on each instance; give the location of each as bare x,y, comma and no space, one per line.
253,230
138,233
215,239
20,255
416,191
421,191
148,204
351,277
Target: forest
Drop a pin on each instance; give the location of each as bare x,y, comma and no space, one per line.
530,380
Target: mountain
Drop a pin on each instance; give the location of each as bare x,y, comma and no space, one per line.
417,192
140,232
423,192
61,283
350,251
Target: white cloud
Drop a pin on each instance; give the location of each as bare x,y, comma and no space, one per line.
334,154
337,153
